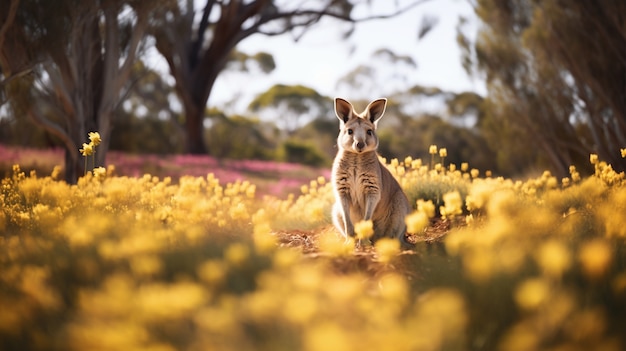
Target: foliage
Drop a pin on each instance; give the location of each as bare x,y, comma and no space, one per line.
555,77
269,177
125,263
198,45
295,151
79,54
413,135
291,106
239,137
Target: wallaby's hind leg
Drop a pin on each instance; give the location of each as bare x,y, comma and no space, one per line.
397,226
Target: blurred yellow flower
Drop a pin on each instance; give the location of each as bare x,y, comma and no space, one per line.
331,243
553,258
595,257
416,222
432,149
593,159
212,271
94,137
364,229
474,173
453,203
427,207
99,172
623,152
237,254
443,152
531,293
326,336
387,248
408,161
87,149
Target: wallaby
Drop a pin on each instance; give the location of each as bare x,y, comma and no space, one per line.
364,188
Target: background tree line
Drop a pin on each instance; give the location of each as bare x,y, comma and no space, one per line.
555,73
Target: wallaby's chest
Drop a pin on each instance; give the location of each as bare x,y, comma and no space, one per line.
356,175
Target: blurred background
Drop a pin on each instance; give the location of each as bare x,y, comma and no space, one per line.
511,86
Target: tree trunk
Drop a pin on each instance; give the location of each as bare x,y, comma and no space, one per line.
194,127
74,167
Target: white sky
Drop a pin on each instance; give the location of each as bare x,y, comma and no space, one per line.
322,57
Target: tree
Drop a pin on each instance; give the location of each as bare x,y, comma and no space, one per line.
197,48
556,74
240,137
384,74
293,104
147,121
81,54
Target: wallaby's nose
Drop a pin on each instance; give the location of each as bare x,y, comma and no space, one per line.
360,145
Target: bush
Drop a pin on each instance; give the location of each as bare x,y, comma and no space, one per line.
303,153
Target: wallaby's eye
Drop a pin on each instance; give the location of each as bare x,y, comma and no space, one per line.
370,132
350,131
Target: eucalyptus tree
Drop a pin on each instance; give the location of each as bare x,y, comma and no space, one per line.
79,54
556,77
196,39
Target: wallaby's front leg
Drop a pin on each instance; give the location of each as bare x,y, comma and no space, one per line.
371,200
347,221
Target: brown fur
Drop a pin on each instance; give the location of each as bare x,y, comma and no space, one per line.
364,188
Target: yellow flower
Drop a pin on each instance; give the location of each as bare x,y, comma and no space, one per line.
94,137
432,149
464,166
623,151
387,249
593,159
474,173
453,203
595,257
554,258
87,149
443,152
99,172
416,222
531,293
364,229
427,207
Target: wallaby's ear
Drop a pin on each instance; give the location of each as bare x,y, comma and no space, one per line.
343,109
376,109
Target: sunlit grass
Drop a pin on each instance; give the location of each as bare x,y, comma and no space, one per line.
123,263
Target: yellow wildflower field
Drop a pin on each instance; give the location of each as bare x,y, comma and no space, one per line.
142,263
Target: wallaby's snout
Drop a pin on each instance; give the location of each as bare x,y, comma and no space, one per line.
360,145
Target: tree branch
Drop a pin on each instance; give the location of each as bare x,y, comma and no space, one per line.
318,14
4,29
202,28
54,129
136,38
